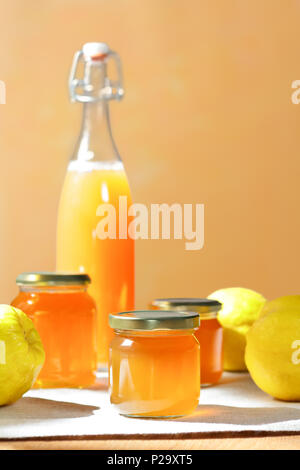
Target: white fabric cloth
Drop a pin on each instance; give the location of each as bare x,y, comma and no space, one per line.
234,405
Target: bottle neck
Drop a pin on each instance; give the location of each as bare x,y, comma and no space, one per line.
96,142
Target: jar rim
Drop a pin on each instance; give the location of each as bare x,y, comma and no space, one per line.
154,320
205,307
45,278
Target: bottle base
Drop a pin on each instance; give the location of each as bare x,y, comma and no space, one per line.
102,373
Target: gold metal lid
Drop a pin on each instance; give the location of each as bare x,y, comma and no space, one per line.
43,279
207,308
154,320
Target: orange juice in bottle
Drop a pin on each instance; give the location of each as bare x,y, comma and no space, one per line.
95,178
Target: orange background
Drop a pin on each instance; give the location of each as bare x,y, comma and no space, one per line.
207,118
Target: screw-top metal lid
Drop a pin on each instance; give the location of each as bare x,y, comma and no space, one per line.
154,320
52,279
205,307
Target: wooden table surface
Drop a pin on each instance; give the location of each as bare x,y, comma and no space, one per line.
229,443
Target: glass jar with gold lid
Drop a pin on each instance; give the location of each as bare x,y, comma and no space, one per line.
209,333
64,314
154,363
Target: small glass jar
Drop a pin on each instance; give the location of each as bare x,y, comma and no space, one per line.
154,363
65,316
209,334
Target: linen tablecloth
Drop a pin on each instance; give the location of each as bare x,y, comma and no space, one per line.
235,405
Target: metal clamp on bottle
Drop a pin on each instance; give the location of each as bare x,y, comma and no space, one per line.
95,53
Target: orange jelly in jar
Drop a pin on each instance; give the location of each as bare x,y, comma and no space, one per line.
65,316
154,364
209,334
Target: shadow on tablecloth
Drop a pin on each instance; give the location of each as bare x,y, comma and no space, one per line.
241,416
40,408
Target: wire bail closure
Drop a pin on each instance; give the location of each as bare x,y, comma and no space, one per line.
113,89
